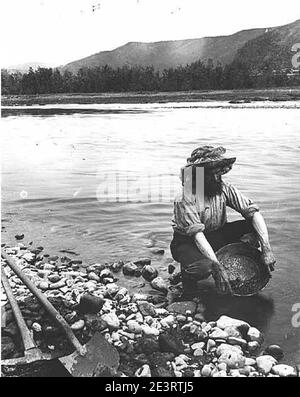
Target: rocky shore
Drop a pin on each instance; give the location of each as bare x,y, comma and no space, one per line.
155,335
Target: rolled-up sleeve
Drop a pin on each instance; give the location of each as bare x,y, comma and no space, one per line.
240,203
186,218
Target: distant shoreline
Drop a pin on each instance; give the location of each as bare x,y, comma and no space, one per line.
233,96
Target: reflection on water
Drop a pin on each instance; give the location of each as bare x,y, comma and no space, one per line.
57,168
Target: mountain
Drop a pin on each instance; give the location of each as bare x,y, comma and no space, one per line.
166,54
24,67
273,49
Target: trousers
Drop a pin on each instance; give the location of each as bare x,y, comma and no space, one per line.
194,265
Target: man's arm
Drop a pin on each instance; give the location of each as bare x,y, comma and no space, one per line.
218,271
260,227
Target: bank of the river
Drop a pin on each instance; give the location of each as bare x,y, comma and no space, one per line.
252,95
155,334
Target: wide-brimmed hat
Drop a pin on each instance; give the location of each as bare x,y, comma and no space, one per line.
212,158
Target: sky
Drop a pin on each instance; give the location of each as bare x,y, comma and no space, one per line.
55,32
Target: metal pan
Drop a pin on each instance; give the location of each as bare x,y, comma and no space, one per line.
246,272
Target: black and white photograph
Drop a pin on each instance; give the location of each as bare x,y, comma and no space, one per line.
150,191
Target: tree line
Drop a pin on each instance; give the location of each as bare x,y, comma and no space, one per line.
195,76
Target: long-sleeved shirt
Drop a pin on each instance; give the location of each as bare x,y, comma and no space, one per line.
190,218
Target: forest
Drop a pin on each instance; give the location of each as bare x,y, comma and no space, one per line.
195,76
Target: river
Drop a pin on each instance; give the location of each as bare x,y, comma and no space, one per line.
100,180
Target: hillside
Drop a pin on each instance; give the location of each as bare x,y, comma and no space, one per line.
166,54
272,49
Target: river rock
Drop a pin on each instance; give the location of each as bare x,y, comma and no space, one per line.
90,303
121,294
254,334
129,269
117,266
218,334
36,327
147,345
44,285
146,308
170,344
29,257
253,346
54,278
143,372
134,327
112,289
182,307
210,345
159,284
233,331
139,297
58,285
284,370
150,331
149,273
275,351
232,340
198,352
225,321
206,370
93,276
105,273
78,325
142,262
265,363
111,320
224,348
232,359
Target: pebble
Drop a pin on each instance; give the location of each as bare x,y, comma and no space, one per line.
275,351
143,372
129,269
210,345
78,325
94,276
253,346
43,285
149,273
147,309
237,341
159,284
206,370
112,320
198,352
284,370
36,327
218,334
198,345
254,335
135,326
265,363
58,285
225,321
147,330
232,359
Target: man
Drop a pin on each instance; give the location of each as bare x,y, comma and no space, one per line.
200,224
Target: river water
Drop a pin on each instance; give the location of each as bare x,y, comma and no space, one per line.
100,180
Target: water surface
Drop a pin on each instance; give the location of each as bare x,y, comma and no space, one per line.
60,166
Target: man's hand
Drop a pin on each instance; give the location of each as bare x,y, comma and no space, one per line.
268,259
221,279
